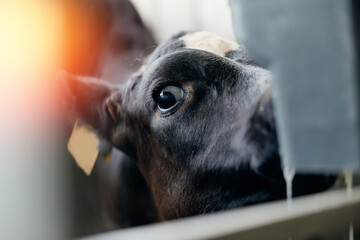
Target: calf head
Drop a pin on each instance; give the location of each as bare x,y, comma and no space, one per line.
197,119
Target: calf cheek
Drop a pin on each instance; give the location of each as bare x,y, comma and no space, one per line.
180,139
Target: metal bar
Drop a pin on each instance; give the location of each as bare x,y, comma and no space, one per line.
320,216
310,48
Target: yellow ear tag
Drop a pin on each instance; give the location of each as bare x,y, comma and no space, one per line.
82,145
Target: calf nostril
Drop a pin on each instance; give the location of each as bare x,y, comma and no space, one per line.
267,166
256,139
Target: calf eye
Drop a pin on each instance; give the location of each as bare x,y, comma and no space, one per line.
169,97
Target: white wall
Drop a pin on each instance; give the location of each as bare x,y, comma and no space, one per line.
167,17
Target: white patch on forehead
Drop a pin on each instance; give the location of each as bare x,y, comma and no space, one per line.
209,42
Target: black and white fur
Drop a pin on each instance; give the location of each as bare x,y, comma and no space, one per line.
214,149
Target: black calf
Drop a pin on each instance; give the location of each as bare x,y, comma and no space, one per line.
197,121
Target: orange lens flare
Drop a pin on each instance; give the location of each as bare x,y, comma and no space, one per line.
30,52
37,38
30,41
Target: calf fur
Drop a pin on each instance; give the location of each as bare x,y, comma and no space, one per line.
197,122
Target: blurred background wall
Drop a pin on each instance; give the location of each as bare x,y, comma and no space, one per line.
166,18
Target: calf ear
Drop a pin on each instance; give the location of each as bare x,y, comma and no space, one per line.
91,100
91,104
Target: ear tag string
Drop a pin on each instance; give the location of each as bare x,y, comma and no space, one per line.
105,149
